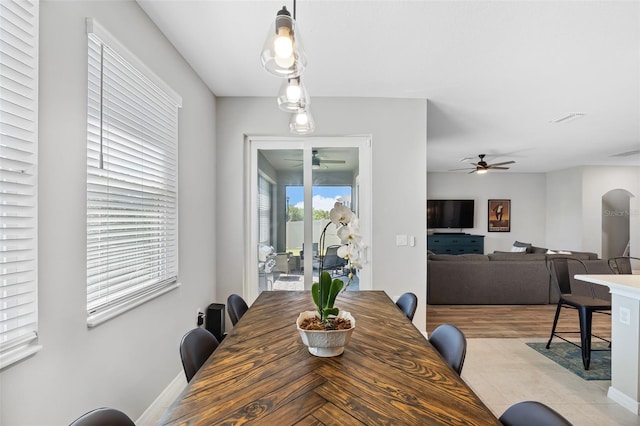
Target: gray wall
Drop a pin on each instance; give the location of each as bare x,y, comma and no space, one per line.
559,210
525,190
129,360
398,129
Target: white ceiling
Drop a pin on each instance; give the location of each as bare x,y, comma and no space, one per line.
495,72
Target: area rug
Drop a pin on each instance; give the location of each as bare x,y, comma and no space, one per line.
570,357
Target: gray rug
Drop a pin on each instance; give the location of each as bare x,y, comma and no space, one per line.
570,357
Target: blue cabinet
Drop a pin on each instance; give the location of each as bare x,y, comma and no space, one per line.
455,243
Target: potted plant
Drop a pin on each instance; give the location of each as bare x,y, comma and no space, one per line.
327,330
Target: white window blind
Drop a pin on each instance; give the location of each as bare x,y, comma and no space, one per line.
132,181
18,180
264,213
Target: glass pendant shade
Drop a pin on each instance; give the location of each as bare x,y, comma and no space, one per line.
283,54
302,122
292,95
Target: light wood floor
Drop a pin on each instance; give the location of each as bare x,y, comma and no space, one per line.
510,321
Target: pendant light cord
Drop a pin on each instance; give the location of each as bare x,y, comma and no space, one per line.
294,10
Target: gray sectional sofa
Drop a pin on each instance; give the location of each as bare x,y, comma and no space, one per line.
500,278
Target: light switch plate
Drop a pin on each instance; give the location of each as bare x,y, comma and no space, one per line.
401,240
625,316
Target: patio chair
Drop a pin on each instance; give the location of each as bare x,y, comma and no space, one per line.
333,263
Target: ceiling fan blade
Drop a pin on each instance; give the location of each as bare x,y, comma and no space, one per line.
457,170
473,171
332,161
498,168
503,163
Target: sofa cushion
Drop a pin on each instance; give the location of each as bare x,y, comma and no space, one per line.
538,250
506,255
458,257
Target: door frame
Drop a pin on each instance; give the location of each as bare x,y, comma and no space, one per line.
306,144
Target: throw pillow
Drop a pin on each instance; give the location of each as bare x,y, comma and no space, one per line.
551,252
515,249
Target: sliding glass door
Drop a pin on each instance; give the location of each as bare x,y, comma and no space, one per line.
294,185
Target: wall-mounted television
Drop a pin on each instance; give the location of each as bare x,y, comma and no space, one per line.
450,213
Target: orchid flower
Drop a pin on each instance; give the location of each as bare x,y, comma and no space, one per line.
340,214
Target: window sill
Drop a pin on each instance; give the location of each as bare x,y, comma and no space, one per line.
99,318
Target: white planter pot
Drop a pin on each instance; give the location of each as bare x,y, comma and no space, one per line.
325,343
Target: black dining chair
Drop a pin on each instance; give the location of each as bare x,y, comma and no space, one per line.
408,303
451,342
195,348
103,417
236,306
622,264
532,413
561,269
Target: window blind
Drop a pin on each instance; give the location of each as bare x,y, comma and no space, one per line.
18,180
264,213
132,181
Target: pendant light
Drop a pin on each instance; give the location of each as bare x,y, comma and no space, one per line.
283,54
302,122
292,95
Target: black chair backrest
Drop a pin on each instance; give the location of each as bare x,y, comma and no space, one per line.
236,306
195,348
103,417
558,267
408,303
450,341
331,260
528,413
622,264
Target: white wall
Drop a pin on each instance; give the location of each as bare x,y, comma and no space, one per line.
525,190
564,210
129,360
398,129
597,181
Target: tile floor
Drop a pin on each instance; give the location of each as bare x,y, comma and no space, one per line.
506,371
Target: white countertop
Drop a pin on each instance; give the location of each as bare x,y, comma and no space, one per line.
626,285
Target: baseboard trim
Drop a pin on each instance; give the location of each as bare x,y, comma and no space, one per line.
160,404
624,400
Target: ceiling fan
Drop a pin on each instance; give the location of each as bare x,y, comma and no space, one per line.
317,160
482,166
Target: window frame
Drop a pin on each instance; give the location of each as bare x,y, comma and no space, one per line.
132,180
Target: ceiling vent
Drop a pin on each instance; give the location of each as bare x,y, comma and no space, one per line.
572,116
626,154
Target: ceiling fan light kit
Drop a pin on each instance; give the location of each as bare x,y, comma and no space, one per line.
482,167
283,56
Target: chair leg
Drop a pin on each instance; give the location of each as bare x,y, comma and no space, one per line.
585,335
555,323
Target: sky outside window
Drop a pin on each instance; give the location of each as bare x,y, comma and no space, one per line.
324,197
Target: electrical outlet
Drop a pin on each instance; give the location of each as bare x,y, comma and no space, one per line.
401,240
200,319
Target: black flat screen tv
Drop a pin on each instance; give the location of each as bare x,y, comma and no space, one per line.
450,213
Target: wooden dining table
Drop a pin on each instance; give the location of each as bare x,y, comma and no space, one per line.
389,374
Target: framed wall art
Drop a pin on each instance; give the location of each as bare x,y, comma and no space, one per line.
499,216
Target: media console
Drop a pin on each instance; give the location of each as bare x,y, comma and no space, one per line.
453,243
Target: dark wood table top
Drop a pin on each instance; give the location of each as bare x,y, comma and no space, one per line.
388,374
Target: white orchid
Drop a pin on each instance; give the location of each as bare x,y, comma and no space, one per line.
350,237
340,214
